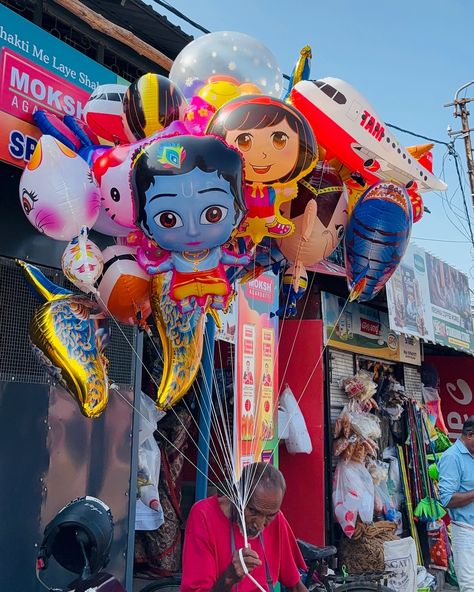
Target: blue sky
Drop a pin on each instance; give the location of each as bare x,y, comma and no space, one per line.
407,58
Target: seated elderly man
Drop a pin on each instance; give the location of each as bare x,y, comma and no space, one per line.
211,561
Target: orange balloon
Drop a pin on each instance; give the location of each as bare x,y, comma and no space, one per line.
124,288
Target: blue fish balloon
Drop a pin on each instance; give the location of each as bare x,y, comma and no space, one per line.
377,236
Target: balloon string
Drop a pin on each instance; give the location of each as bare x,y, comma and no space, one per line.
228,494
292,414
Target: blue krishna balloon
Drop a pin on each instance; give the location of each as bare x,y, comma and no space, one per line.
377,236
188,192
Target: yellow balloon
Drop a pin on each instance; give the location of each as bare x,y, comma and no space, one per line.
182,338
218,92
69,342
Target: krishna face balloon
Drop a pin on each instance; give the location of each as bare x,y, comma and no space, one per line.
189,199
278,147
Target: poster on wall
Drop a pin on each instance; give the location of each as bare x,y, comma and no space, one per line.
364,330
456,390
430,300
256,371
450,305
38,71
408,297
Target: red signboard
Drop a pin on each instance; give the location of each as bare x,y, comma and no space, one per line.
456,388
27,87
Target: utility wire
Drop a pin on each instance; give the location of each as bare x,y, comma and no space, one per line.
400,129
456,157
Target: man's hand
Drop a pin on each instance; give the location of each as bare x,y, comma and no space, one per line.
251,560
235,573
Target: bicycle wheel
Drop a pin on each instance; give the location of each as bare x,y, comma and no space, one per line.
164,585
362,587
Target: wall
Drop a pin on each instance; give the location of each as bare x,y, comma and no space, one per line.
301,348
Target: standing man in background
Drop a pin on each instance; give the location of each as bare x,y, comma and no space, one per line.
456,487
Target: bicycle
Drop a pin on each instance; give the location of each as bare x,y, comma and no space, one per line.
316,578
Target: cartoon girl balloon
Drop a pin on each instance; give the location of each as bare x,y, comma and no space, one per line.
278,147
188,193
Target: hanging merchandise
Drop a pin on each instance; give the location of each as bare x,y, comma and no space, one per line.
353,495
298,439
278,147
149,513
438,540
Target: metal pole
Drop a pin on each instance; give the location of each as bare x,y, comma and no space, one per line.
460,110
206,406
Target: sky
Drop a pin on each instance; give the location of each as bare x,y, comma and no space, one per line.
407,57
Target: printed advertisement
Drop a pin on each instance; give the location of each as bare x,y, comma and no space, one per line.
456,389
364,330
228,321
408,296
256,370
38,71
429,299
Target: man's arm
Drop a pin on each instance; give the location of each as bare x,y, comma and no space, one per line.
450,483
459,500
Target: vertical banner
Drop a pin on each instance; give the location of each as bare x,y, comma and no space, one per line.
456,389
256,371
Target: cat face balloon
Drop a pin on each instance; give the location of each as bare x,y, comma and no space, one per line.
57,192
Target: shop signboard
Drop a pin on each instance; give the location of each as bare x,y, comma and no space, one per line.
256,371
430,300
364,330
38,71
456,389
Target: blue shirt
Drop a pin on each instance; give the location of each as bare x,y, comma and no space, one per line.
456,475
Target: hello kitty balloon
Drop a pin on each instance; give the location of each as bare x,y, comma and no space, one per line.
57,192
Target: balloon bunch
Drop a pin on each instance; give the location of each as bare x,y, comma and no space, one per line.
208,172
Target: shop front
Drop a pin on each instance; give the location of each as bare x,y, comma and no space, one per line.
51,454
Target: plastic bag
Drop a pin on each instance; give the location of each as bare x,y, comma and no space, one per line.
149,511
401,563
353,495
439,544
298,439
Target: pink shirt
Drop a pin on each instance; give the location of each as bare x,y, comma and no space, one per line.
207,550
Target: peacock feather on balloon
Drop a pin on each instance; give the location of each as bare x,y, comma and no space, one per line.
69,339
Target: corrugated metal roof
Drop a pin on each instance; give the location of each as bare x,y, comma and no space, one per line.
144,22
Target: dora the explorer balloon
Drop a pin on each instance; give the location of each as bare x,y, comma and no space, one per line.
189,199
278,148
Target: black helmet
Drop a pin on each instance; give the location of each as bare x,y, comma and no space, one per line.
79,537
